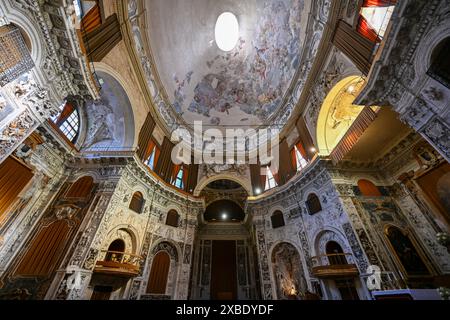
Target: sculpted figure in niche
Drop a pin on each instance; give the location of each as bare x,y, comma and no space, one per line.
101,122
288,271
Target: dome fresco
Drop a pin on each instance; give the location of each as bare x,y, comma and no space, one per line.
244,86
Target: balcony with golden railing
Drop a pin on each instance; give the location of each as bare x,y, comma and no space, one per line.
334,265
118,264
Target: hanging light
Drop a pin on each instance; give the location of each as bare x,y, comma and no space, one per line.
15,57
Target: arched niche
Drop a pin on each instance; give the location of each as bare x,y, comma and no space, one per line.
406,251
338,113
110,121
125,234
287,271
224,210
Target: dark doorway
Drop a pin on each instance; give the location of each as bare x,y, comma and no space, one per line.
223,273
347,289
101,293
335,253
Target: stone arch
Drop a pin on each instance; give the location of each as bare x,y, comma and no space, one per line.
330,234
127,233
172,206
429,42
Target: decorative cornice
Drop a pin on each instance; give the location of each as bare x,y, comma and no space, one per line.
393,71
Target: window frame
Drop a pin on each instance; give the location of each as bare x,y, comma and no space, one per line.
309,207
70,127
178,180
270,178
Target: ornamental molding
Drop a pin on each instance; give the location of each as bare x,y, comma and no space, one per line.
64,68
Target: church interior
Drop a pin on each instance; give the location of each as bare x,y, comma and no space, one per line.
98,203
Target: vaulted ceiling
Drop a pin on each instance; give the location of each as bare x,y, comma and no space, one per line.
245,86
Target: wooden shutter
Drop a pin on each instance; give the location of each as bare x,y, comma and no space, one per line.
100,41
164,165
305,139
286,170
145,137
354,45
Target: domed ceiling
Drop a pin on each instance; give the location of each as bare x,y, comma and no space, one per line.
246,86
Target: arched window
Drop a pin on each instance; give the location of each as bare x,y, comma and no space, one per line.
152,155
82,188
335,253
277,219
313,204
179,176
270,180
374,18
406,252
298,155
172,218
440,65
159,273
114,251
137,202
368,189
68,121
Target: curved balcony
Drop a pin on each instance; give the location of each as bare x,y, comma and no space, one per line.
334,265
118,264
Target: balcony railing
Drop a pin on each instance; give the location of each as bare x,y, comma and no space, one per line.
334,265
118,264
388,281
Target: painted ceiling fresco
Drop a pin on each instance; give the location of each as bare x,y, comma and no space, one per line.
242,87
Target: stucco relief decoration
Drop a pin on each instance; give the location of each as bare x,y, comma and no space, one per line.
210,170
